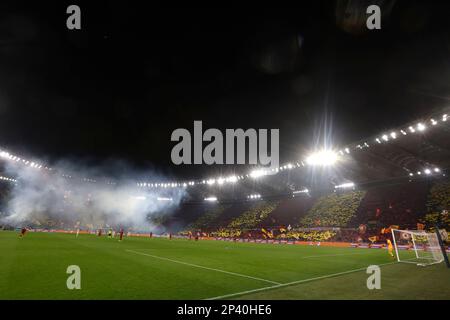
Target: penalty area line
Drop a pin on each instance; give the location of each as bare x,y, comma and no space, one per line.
203,267
281,285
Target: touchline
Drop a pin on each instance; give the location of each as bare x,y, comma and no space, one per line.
235,140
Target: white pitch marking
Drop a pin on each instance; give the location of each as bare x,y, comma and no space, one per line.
202,267
293,282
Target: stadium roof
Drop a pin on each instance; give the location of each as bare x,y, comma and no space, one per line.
413,151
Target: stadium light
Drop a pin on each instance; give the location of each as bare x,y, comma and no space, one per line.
8,179
254,196
164,199
421,127
257,173
427,171
322,158
345,185
211,199
300,191
437,170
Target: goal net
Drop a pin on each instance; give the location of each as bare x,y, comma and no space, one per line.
418,247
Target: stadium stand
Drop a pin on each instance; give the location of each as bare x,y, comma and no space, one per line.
348,216
333,210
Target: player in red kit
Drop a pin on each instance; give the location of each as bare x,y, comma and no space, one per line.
22,232
121,235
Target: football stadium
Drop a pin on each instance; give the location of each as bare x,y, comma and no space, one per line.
197,160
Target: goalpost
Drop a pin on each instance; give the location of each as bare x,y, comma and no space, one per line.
425,246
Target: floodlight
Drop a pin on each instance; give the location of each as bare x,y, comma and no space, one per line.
232,179
300,191
257,173
164,199
322,158
421,127
211,199
345,185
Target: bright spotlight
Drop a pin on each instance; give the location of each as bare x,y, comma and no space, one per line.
322,158
345,185
437,170
300,191
164,199
421,127
211,199
257,173
427,171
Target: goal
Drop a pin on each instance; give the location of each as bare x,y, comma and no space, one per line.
417,246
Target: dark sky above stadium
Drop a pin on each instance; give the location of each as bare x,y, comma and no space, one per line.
117,88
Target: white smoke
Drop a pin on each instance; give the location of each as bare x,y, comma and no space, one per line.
75,199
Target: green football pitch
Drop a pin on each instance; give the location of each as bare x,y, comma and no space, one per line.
35,266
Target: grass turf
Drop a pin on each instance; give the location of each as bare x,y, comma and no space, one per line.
141,268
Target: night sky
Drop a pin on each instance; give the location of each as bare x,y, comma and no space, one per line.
117,88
